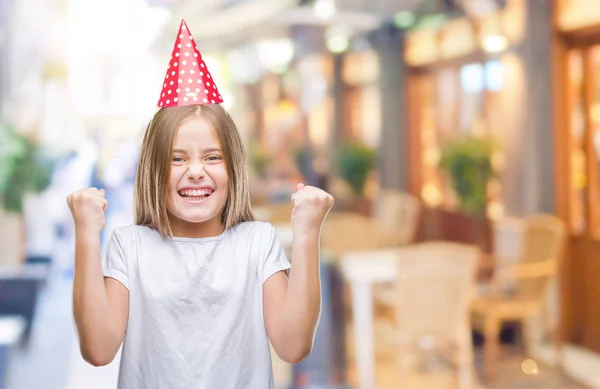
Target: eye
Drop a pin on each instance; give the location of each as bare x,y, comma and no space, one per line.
178,159
214,158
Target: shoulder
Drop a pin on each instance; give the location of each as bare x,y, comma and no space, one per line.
258,239
256,234
127,232
127,236
254,229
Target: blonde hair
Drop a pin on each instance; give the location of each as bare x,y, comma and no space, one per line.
154,168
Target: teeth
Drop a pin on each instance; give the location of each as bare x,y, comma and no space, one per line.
195,192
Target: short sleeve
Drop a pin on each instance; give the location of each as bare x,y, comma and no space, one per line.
275,259
114,261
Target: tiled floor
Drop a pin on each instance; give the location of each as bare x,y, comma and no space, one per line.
580,363
445,380
510,375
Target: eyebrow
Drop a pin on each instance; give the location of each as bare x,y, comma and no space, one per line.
209,150
213,150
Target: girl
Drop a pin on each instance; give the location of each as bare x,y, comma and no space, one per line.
195,289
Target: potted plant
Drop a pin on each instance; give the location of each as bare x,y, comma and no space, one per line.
24,169
355,161
468,163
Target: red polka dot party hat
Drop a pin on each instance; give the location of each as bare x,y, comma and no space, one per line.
188,80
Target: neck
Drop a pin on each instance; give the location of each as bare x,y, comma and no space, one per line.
184,229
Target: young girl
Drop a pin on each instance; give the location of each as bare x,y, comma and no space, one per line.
196,289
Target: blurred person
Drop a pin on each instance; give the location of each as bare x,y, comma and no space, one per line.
196,288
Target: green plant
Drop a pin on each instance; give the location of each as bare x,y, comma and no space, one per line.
355,162
468,163
24,168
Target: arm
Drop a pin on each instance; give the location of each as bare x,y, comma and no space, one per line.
521,271
100,306
292,307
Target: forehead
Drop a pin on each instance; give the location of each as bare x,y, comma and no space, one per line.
196,131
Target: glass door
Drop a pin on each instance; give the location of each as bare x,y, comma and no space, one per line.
593,147
584,140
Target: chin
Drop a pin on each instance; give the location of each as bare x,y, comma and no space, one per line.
197,211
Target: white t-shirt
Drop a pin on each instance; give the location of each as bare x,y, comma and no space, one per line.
195,307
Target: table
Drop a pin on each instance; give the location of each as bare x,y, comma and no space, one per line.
362,274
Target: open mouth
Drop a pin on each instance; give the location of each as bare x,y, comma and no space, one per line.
195,194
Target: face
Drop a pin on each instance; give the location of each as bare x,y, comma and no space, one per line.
198,185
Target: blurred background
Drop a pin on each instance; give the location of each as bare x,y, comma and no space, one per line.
460,138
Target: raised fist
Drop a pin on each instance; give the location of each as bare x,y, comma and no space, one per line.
87,207
311,206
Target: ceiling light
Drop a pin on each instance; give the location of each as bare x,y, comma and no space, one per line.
337,39
324,9
337,44
495,43
276,54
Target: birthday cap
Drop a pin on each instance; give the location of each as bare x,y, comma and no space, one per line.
188,80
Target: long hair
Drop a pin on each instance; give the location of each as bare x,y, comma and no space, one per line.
154,167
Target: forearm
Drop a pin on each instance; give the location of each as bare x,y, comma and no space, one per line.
302,306
91,310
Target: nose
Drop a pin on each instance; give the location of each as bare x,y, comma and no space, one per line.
195,170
